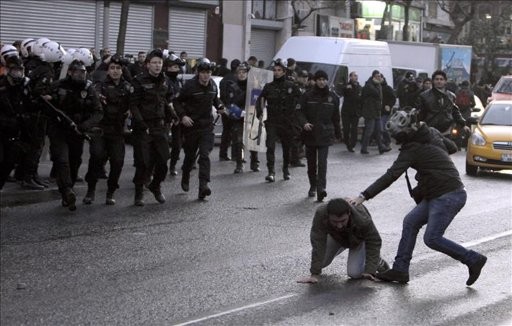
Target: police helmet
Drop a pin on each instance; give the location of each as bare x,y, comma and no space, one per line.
118,59
68,57
37,46
235,112
52,52
402,122
173,59
26,46
84,55
279,62
204,64
8,51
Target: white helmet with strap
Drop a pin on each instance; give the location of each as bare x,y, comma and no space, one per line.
8,51
84,55
37,46
53,52
26,47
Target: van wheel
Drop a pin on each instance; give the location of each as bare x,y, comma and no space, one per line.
471,169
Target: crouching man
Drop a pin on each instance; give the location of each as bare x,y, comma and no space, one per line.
337,226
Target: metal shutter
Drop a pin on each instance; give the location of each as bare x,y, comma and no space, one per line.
139,32
71,23
187,31
263,44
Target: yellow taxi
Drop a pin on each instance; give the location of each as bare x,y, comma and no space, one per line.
490,144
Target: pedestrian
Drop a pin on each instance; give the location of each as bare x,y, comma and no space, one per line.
186,69
388,101
320,119
408,90
465,99
233,95
77,98
222,69
138,66
252,61
436,106
439,195
373,98
337,226
351,110
427,84
297,150
280,97
194,108
108,143
151,112
172,68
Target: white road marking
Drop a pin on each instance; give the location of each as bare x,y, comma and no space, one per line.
257,304
254,305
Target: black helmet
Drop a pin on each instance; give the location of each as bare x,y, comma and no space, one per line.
204,64
173,59
118,59
279,62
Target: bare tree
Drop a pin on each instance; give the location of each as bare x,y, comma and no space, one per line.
123,24
302,9
460,13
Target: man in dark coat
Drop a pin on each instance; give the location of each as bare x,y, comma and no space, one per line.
351,110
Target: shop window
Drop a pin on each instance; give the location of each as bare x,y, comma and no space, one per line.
264,9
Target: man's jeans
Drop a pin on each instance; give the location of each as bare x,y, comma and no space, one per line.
437,214
356,257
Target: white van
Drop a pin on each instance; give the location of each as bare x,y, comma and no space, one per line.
338,57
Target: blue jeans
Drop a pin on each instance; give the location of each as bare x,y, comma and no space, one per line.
371,126
437,214
356,256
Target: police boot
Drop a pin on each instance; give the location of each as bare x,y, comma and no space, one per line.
286,173
37,179
239,167
89,196
204,191
312,191
155,189
139,195
321,194
110,197
255,166
69,199
185,178
271,177
172,168
29,183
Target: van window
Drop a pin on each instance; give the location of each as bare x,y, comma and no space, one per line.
338,75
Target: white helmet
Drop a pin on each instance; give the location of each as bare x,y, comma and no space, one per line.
84,55
52,52
37,46
8,51
26,46
68,57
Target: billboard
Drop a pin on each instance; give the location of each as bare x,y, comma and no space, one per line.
456,62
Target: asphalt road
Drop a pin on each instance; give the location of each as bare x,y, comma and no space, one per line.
235,259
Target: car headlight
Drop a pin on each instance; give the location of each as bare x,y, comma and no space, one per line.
477,139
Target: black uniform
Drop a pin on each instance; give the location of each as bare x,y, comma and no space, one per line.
319,107
281,96
350,113
151,112
15,100
196,101
227,123
109,144
175,85
80,102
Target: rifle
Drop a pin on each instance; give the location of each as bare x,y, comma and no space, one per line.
64,119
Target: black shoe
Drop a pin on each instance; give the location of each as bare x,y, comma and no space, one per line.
110,199
350,149
384,150
185,177
364,152
297,164
312,192
224,158
79,179
31,184
103,175
286,174
155,190
255,167
239,169
172,171
270,177
383,266
392,275
321,195
71,199
41,182
475,269
89,197
204,191
139,196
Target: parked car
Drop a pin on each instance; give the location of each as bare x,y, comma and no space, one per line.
502,90
490,144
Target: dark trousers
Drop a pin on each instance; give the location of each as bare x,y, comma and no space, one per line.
198,142
102,149
297,148
317,166
150,152
371,126
237,134
29,161
66,154
350,125
176,144
225,139
10,154
285,135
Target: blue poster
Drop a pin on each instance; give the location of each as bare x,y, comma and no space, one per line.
456,62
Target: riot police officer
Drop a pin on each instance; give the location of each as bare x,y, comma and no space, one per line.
172,69
114,93
194,107
76,97
280,96
151,110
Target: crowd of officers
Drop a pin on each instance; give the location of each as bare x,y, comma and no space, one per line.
94,104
